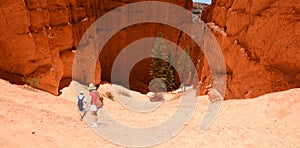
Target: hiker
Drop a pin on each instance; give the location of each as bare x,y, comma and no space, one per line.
81,103
96,104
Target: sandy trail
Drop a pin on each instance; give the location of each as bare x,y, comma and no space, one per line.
38,119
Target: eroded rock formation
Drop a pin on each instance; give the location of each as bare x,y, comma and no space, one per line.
260,41
38,38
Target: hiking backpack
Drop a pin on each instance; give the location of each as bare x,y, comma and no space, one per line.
80,103
98,99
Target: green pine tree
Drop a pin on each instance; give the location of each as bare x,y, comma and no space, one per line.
184,65
160,66
170,80
159,62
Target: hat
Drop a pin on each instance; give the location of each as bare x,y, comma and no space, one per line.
91,87
81,92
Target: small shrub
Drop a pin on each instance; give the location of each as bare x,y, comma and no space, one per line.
124,93
110,96
33,82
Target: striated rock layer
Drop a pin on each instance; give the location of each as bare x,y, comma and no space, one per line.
38,39
260,41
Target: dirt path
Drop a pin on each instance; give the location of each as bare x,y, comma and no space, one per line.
38,119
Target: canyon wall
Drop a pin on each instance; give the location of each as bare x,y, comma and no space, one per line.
260,41
38,39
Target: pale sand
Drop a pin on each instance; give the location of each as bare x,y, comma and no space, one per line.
39,119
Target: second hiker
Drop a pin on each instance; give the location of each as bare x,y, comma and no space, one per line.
81,103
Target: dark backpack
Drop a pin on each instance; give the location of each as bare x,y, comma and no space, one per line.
80,103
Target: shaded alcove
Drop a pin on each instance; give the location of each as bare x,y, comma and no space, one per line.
139,78
139,75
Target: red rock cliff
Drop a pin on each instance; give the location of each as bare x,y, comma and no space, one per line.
38,38
260,40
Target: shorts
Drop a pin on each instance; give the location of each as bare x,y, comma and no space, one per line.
93,108
83,110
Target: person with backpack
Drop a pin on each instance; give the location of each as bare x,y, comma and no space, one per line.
81,104
96,104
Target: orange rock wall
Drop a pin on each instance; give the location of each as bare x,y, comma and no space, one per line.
38,38
261,45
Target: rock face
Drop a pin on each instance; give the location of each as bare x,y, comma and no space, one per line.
260,41
38,38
